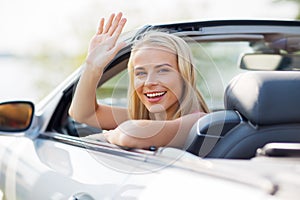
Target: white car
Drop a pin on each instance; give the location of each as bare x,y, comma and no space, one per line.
248,147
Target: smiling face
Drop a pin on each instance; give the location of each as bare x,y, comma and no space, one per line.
157,81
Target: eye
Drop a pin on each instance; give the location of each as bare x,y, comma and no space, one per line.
162,70
140,73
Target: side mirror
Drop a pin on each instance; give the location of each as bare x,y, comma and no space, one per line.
270,62
16,116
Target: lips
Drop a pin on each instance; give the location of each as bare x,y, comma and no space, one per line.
154,97
155,94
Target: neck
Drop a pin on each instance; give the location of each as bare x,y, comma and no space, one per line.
164,115
158,116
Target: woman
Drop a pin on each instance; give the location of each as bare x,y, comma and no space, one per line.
164,102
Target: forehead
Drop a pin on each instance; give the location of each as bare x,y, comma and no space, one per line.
147,55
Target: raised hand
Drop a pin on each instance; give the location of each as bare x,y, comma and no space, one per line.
103,45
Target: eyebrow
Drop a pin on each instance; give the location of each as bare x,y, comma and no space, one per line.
156,66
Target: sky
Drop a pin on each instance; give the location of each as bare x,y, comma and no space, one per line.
27,23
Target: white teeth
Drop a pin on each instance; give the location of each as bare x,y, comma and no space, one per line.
151,95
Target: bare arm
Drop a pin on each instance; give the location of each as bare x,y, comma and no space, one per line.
103,47
146,133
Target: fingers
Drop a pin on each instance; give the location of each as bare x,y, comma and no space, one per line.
119,28
100,27
109,22
115,23
108,34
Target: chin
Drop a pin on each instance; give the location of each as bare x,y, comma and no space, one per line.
157,109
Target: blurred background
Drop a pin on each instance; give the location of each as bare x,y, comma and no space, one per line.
44,41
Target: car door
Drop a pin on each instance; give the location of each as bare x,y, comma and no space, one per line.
62,167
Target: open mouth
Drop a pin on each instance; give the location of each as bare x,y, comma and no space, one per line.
155,94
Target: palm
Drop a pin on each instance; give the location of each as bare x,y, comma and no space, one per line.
103,45
96,41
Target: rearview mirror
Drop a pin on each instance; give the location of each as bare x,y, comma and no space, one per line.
16,116
270,62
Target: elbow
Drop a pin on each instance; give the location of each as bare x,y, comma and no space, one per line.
72,114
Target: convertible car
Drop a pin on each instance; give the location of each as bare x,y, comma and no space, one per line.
248,147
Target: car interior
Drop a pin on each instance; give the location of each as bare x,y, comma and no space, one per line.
250,119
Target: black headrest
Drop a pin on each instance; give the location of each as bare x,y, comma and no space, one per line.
265,98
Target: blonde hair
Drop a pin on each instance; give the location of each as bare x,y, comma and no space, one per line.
191,100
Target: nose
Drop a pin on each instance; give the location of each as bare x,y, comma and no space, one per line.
151,79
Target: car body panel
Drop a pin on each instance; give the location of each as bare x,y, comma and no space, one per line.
68,167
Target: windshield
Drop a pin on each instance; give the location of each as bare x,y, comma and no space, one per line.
217,64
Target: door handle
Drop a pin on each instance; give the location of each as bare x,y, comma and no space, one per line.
81,196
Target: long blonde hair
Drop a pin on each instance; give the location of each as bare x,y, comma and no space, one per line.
191,100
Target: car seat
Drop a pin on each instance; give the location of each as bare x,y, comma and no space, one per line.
260,107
